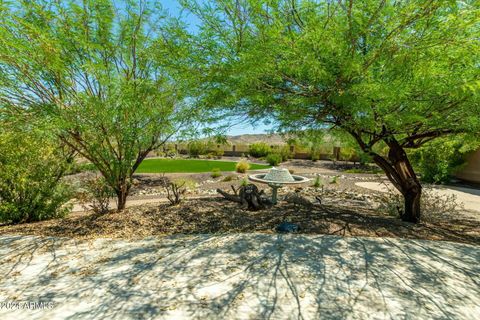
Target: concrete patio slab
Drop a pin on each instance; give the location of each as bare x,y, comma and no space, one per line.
239,276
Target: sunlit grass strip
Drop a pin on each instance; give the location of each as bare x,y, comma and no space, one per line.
187,165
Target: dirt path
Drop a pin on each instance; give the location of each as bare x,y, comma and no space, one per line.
239,276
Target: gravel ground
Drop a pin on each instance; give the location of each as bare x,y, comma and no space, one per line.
239,276
204,184
346,209
348,217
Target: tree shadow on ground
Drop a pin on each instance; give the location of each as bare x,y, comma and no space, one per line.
214,215
241,276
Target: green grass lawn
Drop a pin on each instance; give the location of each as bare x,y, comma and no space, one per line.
187,165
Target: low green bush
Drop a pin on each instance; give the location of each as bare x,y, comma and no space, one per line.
31,184
196,148
96,195
242,166
317,183
259,149
439,160
334,180
274,159
229,178
364,158
218,153
347,153
216,173
80,167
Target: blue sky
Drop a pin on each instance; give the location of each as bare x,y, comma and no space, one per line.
174,8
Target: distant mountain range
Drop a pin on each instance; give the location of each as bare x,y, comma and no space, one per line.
252,138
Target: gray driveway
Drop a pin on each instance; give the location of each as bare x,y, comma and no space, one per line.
239,276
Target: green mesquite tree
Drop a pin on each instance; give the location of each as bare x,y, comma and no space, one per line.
398,72
96,73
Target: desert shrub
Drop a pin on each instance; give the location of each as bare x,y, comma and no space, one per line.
364,158
176,189
347,153
218,153
439,160
228,178
433,206
274,159
215,173
242,166
259,149
176,192
334,180
244,182
31,185
170,151
317,183
196,148
283,151
80,167
96,195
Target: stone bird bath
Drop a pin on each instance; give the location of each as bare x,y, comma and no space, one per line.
277,178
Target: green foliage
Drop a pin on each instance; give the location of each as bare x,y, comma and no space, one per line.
439,160
216,173
96,196
274,159
284,152
334,180
167,151
364,158
177,188
31,186
317,183
80,167
98,74
259,149
197,148
400,73
184,183
347,153
218,153
242,166
244,182
229,178
316,141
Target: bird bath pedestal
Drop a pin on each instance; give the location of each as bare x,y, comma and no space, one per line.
277,178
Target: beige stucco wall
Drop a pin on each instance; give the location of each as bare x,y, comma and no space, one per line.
471,171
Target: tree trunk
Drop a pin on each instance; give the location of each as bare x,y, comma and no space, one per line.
121,200
122,191
412,205
401,174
